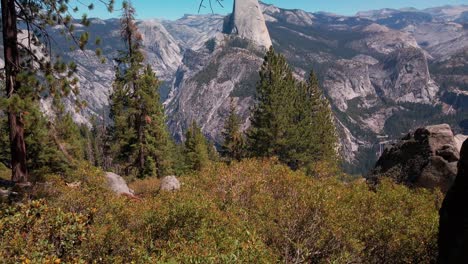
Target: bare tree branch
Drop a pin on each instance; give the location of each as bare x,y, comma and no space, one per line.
210,2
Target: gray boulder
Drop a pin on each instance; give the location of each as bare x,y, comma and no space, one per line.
425,158
117,184
169,183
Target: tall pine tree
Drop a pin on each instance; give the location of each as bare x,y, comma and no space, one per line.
272,116
291,119
233,146
157,143
141,142
324,132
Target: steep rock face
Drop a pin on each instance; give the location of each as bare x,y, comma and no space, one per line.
193,31
404,77
247,22
350,79
161,47
425,158
453,231
206,83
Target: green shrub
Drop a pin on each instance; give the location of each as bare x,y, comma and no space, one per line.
249,212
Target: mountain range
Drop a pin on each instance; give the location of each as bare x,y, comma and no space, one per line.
384,71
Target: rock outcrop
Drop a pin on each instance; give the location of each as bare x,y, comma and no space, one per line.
169,183
247,21
453,229
425,158
117,184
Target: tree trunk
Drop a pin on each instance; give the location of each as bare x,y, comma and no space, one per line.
141,152
15,120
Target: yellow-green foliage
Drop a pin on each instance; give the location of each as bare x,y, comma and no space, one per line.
248,212
146,187
5,173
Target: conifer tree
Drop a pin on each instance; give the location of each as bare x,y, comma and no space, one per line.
157,142
324,130
43,154
30,69
272,116
233,138
140,137
291,120
196,148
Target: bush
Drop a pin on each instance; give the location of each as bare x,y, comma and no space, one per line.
327,220
249,212
146,187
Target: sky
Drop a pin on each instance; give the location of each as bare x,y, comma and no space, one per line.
174,9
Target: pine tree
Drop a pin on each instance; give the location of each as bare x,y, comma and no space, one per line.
291,119
233,139
196,148
324,130
272,116
43,154
141,141
28,73
157,142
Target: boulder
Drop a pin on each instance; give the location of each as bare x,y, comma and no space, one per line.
453,228
117,184
449,153
169,183
426,158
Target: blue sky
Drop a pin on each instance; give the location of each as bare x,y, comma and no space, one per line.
173,9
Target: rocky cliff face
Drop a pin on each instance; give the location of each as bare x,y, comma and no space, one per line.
247,22
208,80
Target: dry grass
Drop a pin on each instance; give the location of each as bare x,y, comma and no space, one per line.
146,187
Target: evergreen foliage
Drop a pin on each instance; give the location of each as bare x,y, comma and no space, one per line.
233,147
43,154
141,143
98,141
291,119
271,120
70,137
30,70
197,151
324,135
